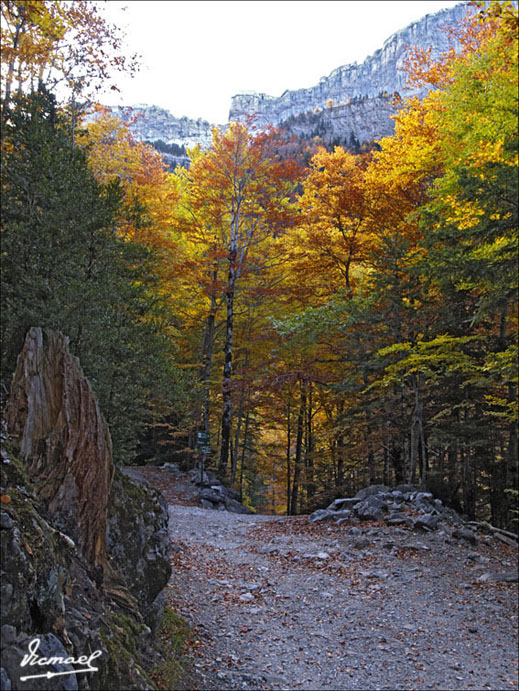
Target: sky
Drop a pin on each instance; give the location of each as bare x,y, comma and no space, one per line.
196,55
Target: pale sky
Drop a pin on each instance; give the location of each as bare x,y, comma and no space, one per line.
197,54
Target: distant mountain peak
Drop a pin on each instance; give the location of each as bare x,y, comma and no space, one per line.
351,106
381,72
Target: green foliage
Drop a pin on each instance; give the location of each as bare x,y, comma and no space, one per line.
174,149
65,267
173,636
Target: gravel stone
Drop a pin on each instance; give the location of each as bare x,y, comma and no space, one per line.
381,618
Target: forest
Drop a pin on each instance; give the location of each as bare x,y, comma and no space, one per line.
321,319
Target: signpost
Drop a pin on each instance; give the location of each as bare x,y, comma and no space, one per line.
203,448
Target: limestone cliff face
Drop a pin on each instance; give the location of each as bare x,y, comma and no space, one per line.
361,96
154,123
362,120
380,73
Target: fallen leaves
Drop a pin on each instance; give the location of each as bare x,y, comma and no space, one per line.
358,626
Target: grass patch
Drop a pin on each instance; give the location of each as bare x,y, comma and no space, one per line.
173,639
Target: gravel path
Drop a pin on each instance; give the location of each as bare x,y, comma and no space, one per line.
279,603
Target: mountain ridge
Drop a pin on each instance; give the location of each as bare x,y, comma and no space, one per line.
352,106
382,71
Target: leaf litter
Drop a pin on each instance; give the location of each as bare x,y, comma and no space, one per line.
280,603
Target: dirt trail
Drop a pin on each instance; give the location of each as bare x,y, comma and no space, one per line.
278,603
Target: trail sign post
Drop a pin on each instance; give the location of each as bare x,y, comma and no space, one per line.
203,448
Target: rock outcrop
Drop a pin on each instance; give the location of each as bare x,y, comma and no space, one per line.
361,120
352,105
152,123
63,440
138,542
85,551
380,73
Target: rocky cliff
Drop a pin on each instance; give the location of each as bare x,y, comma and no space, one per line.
153,124
85,550
380,73
360,121
352,104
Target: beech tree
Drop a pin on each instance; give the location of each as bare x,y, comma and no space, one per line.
65,44
334,213
242,190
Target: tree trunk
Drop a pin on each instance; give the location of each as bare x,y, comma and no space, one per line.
369,446
206,358
395,453
239,421
339,478
404,446
309,446
227,369
511,480
340,461
299,451
10,70
289,443
243,449
387,474
469,487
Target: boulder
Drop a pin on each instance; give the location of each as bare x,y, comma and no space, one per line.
406,489
372,508
343,515
361,542
422,500
63,440
426,522
465,534
321,515
212,495
173,469
396,519
217,496
346,503
371,490
236,507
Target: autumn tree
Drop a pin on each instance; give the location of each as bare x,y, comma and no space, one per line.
450,171
239,197
65,267
61,44
414,358
334,213
471,226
